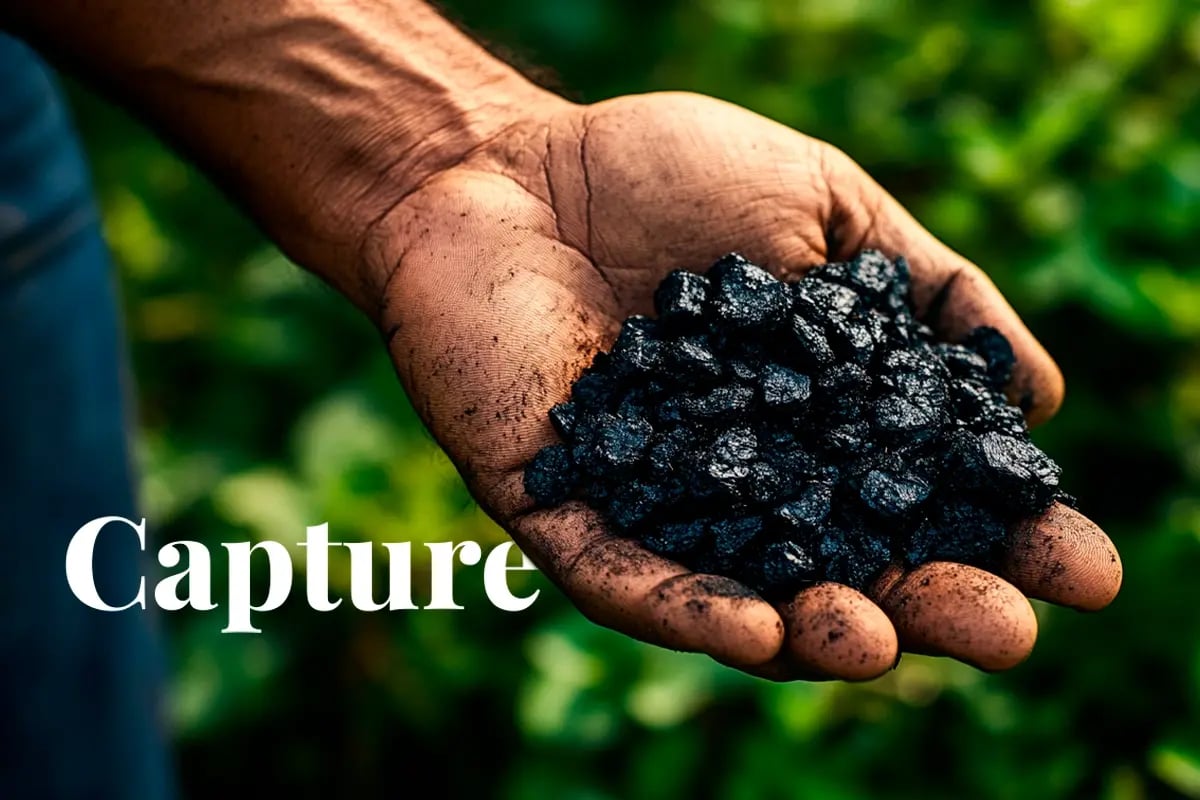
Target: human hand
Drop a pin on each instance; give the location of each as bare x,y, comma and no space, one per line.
505,272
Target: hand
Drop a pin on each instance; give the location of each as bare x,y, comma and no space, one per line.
511,268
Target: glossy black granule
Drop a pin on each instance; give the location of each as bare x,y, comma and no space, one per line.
784,433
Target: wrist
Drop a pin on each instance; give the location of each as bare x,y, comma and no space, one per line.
371,166
390,96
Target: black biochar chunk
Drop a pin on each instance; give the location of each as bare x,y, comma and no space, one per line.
551,476
731,535
854,556
808,511
562,417
888,488
675,538
622,441
813,348
779,568
637,350
680,299
898,418
786,433
747,296
995,350
692,356
784,388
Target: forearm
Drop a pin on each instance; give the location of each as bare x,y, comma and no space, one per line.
316,116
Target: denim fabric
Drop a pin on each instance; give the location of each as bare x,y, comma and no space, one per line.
80,690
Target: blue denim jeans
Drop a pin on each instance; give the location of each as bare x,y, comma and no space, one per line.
80,690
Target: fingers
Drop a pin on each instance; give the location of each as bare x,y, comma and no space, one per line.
954,610
835,631
617,583
1063,557
950,293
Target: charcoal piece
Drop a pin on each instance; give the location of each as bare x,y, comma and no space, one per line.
764,483
723,401
731,456
853,557
917,376
790,457
743,370
870,274
808,510
870,338
585,442
1020,461
637,349
623,441
958,531
562,417
1010,473
675,538
843,390
637,326
634,404
838,272
780,568
963,362
852,338
690,360
843,379
634,503
745,296
996,351
593,390
819,301
1068,500
731,535
901,329
999,418
897,418
889,489
847,438
901,289
680,298
784,388
551,476
672,411
813,347
971,400
829,474
666,451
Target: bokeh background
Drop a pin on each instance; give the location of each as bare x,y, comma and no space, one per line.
1054,143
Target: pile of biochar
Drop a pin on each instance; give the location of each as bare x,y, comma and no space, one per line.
782,433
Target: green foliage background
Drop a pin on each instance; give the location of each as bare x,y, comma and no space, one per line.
1056,144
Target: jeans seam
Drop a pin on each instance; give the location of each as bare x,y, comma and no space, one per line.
21,259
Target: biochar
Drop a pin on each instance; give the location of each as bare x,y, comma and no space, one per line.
783,433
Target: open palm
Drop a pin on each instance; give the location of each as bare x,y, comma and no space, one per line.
511,269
